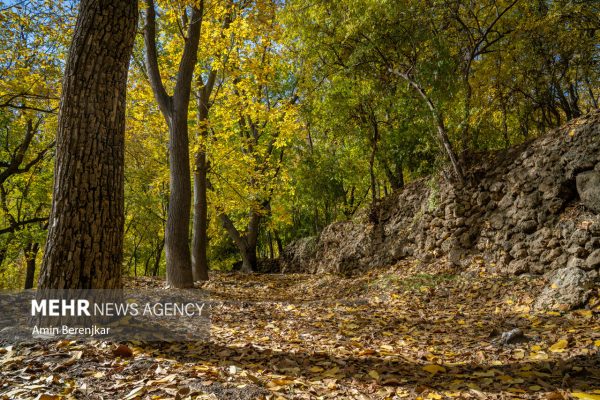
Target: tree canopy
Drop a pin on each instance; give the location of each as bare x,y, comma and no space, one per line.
300,112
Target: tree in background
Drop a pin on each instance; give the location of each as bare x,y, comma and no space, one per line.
33,41
175,111
85,237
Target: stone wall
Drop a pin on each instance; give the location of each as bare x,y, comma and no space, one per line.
531,209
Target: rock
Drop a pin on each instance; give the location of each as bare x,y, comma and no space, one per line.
593,260
497,221
550,255
580,237
455,255
528,226
298,255
578,251
575,262
513,336
588,187
569,288
506,202
518,267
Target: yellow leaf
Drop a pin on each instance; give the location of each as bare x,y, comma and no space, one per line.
597,343
585,313
519,354
316,369
434,396
559,346
538,356
586,396
331,372
374,374
434,368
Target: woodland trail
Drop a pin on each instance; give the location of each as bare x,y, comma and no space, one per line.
394,334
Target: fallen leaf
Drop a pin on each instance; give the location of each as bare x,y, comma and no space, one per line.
434,368
137,392
559,346
586,396
48,397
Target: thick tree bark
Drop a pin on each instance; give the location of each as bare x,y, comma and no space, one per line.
175,111
85,236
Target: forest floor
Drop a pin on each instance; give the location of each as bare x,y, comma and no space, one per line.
403,333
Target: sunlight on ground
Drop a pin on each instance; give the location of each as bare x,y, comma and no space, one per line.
388,335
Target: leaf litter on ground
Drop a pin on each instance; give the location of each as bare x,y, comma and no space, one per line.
408,333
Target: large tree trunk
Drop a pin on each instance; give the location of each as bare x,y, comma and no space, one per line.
85,236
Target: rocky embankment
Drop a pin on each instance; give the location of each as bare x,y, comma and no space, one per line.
532,209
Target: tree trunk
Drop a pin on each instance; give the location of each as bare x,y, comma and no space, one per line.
271,247
442,134
177,249
374,141
246,243
31,251
85,236
249,259
175,111
200,226
159,250
279,244
200,222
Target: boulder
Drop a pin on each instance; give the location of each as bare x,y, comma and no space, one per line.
568,289
298,255
588,187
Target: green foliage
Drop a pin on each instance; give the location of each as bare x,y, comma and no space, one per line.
318,108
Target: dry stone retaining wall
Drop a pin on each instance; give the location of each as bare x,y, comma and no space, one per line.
532,209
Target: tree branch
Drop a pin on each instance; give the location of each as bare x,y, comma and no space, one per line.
19,224
162,98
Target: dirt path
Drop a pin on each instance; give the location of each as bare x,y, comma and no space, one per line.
387,335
